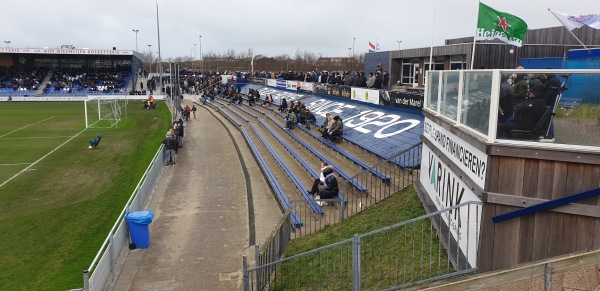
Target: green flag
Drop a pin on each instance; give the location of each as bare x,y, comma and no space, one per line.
493,24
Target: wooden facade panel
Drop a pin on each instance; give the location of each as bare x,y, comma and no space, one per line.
506,241
510,179
541,231
493,175
545,177
526,238
530,184
559,186
530,178
541,234
572,222
586,227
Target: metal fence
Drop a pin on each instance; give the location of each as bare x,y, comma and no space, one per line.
354,200
403,255
337,210
113,251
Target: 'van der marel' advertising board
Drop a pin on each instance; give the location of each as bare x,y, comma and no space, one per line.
468,158
446,189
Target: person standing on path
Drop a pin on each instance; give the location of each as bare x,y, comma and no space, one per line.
194,110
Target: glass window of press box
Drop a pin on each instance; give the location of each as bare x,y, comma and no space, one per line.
560,108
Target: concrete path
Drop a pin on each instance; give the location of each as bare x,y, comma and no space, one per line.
204,217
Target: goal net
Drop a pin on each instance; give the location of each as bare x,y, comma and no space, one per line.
103,112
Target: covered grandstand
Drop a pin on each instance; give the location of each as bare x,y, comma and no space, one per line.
67,71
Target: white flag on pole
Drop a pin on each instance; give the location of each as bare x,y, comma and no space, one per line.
571,21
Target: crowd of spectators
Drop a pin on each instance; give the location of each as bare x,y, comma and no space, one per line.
378,80
22,79
99,80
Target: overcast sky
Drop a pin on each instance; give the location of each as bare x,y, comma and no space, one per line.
272,27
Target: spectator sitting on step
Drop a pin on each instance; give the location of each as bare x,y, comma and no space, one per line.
330,187
310,118
291,120
327,124
251,99
283,107
268,99
315,187
336,130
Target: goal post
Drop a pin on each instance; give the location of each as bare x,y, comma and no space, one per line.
103,112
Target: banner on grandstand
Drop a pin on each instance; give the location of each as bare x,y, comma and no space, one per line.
66,51
291,85
446,189
365,95
469,159
272,82
336,90
322,88
346,91
261,81
307,87
281,83
407,100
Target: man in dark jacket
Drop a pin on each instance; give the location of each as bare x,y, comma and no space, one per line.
310,118
505,108
527,114
169,150
386,80
362,82
378,81
330,187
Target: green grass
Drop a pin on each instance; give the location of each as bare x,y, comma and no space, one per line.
54,217
406,254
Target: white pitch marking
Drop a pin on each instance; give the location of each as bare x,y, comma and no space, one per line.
37,137
18,164
27,168
26,126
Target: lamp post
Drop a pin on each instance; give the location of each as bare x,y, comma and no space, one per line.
7,42
159,58
195,57
136,32
150,59
399,43
200,49
353,42
318,60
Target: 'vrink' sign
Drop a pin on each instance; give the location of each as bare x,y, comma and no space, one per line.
446,189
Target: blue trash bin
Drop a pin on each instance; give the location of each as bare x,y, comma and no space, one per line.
138,228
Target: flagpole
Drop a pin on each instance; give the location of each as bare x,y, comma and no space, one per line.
475,37
571,32
432,36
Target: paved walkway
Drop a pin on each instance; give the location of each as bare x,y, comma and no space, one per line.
201,227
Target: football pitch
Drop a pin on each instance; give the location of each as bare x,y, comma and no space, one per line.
58,198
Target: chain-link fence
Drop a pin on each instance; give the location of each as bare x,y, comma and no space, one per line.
398,256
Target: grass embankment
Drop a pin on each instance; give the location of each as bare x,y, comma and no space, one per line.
403,255
55,216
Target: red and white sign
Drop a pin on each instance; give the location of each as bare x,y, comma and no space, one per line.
65,51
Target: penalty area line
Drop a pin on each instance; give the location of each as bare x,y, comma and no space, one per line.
26,126
17,164
36,137
34,163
